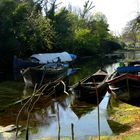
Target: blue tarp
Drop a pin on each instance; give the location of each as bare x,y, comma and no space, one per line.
127,69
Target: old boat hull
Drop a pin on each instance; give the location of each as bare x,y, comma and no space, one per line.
38,76
19,64
92,86
125,86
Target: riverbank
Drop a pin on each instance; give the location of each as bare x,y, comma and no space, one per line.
124,120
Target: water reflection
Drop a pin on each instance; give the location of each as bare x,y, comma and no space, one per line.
44,120
85,126
7,136
90,128
132,55
49,111
111,68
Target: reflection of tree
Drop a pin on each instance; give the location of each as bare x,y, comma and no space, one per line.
98,120
34,130
49,114
130,55
89,66
81,108
117,127
45,117
86,68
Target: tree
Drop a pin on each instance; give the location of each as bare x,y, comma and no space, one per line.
132,31
99,26
85,41
87,7
23,31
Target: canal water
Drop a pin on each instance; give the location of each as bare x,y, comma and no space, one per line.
59,116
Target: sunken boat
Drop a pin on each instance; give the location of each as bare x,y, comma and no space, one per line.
92,86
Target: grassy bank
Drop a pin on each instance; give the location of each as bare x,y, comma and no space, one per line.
124,120
10,91
132,49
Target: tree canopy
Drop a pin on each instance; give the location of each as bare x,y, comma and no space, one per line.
28,27
131,33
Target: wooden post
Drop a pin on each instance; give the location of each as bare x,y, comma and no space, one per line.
98,109
58,122
128,89
72,131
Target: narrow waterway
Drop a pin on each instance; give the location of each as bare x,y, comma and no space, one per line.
64,116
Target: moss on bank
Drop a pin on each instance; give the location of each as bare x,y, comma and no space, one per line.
124,120
10,91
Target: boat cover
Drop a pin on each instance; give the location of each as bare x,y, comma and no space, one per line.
126,69
53,57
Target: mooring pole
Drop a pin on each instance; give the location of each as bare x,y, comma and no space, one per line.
98,109
72,131
58,122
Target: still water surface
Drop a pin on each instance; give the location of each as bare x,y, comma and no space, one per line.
54,117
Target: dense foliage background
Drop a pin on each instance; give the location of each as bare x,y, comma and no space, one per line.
40,26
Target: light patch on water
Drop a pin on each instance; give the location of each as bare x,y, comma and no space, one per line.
84,127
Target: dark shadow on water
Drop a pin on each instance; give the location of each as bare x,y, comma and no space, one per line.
81,108
89,99
134,102
118,128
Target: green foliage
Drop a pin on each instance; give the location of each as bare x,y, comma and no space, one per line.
36,35
134,136
24,30
64,24
81,35
8,41
85,39
131,33
101,26
86,8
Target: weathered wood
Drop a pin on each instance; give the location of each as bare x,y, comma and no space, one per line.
72,131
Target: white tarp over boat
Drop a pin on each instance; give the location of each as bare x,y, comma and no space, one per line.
53,57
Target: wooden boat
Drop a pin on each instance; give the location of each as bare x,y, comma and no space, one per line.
19,64
41,59
91,86
125,83
43,74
